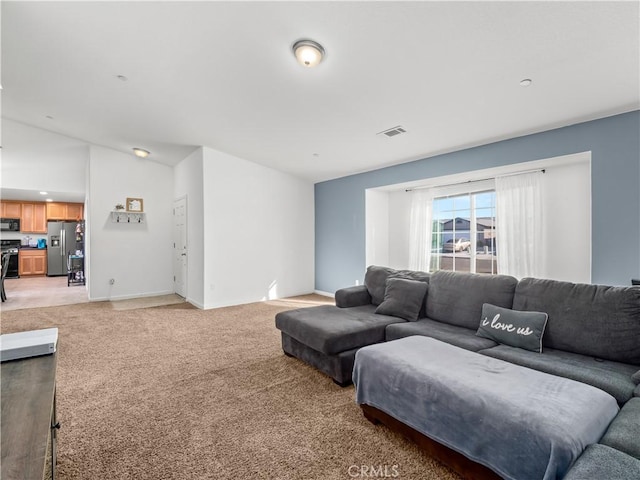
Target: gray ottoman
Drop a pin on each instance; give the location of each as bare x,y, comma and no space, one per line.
518,422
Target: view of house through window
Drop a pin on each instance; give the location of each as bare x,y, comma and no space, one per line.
463,235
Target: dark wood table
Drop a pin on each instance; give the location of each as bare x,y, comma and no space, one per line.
29,424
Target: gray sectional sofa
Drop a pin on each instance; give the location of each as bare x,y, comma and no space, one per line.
591,334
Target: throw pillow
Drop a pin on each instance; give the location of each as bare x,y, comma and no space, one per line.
417,276
512,327
636,377
403,298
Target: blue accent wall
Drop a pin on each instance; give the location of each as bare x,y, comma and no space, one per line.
614,143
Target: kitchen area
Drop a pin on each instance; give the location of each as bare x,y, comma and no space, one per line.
45,250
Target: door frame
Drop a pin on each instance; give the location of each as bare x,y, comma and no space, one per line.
176,241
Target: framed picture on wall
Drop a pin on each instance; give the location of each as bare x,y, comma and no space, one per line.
134,205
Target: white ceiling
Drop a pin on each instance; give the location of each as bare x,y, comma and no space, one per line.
32,195
222,75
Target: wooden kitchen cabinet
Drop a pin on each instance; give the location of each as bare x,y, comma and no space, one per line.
10,209
74,211
32,262
34,218
56,211
65,211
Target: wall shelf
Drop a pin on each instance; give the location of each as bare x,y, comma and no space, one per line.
128,217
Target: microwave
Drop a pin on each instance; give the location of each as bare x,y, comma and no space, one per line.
10,224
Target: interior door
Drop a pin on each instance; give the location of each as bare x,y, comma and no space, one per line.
180,256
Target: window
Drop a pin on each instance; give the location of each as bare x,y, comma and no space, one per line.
463,235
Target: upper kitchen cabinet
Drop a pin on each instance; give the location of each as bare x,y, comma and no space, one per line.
65,211
75,211
10,209
56,211
34,218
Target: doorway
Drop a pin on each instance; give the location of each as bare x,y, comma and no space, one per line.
180,250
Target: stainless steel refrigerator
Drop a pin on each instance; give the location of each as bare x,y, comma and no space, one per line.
61,241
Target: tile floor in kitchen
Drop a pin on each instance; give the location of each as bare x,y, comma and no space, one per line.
33,292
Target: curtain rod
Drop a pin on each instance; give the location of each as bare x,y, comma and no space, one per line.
543,170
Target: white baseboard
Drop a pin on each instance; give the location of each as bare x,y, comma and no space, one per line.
194,303
130,296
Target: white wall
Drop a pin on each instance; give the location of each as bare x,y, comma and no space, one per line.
250,228
568,222
259,232
36,159
567,194
399,221
377,227
188,182
33,159
137,256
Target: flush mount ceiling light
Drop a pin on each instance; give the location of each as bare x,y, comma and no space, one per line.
308,53
43,193
140,152
526,82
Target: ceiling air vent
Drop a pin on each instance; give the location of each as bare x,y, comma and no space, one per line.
392,132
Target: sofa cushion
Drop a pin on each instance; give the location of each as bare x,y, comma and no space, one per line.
375,279
403,298
593,320
416,275
511,327
612,377
602,462
452,334
330,330
636,377
624,432
457,298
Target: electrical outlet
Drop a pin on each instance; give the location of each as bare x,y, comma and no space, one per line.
112,281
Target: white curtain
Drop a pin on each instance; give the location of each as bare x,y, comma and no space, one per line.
519,224
420,230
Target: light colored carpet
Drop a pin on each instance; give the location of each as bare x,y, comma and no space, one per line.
178,393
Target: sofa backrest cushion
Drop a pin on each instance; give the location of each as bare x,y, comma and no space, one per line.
595,320
457,298
375,279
